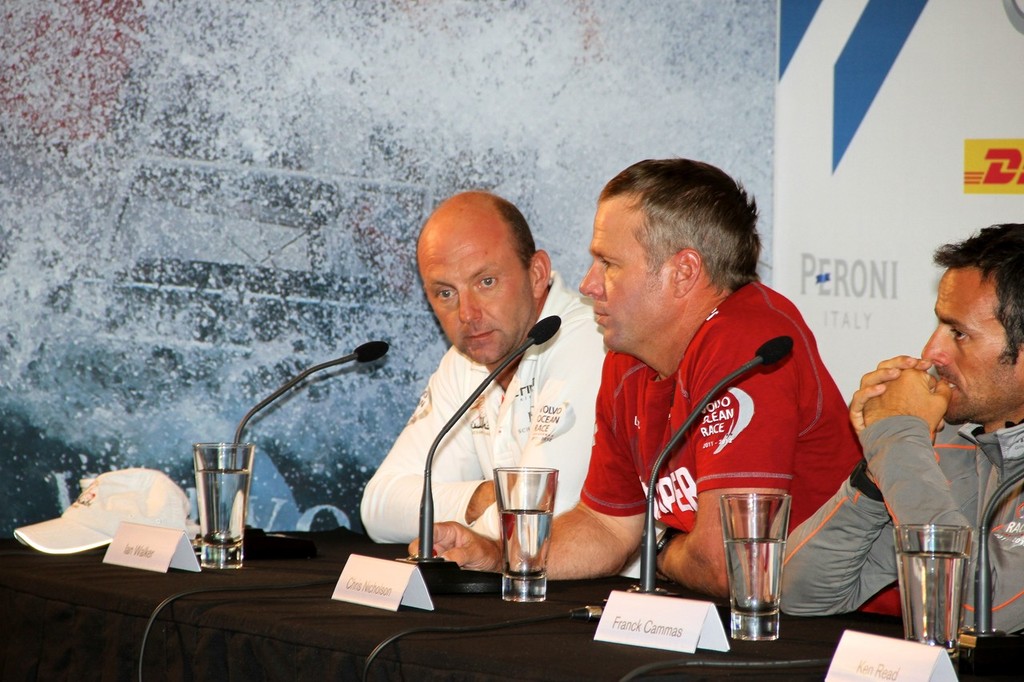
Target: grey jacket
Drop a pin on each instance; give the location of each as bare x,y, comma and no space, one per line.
843,554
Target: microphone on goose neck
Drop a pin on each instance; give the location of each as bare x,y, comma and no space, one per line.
985,650
540,333
365,353
768,354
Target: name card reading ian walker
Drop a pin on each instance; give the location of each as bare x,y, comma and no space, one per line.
861,657
382,584
661,622
151,548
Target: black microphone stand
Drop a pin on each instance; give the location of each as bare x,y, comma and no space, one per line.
769,353
983,649
365,353
257,544
440,575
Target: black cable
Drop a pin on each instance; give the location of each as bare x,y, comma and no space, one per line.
584,613
203,590
747,665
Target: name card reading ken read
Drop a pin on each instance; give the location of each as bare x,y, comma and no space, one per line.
382,584
861,657
661,622
151,548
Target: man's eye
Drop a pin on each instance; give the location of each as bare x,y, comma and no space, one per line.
488,281
445,294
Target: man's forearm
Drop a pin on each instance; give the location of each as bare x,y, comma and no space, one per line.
586,544
689,563
901,459
483,497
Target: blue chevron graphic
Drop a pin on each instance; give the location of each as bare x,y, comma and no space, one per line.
864,64
794,18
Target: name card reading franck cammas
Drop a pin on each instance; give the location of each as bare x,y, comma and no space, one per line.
382,584
661,622
151,548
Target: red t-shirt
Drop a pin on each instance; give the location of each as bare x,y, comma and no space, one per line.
781,426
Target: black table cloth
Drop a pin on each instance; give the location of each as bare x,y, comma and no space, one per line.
75,618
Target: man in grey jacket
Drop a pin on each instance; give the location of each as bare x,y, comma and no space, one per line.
940,433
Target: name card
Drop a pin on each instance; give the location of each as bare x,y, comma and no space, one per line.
382,584
661,622
861,657
151,548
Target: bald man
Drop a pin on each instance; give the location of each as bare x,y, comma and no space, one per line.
488,284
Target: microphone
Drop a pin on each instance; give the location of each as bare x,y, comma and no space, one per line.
983,649
465,581
768,354
365,353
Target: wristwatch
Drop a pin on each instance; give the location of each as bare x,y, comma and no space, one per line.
860,480
665,538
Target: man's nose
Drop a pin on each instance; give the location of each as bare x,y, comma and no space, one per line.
935,349
589,286
469,308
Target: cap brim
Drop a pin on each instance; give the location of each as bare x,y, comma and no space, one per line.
61,536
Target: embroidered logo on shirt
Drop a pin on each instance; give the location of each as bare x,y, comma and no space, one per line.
478,422
1011,534
552,421
725,418
422,407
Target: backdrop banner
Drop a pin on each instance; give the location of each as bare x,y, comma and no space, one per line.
899,128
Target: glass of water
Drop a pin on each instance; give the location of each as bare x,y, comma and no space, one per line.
931,562
526,502
223,471
754,528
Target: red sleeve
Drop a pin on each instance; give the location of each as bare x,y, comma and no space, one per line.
613,484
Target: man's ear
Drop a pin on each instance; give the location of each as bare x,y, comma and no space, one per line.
540,272
685,269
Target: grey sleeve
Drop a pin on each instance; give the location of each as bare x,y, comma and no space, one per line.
839,557
902,460
844,553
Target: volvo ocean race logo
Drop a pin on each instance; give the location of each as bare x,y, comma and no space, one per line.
1011,534
725,418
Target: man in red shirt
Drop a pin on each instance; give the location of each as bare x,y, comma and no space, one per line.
677,297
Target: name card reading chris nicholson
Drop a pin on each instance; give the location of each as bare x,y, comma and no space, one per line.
382,584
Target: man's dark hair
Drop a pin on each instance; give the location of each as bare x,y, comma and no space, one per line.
998,252
690,204
519,229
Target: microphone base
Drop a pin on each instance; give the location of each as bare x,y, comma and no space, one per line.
258,544
659,591
445,577
990,654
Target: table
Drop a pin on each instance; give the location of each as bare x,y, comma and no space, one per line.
74,617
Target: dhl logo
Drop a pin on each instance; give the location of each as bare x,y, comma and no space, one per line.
993,166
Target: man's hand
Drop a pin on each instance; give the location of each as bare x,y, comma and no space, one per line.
483,497
900,387
874,384
914,393
455,542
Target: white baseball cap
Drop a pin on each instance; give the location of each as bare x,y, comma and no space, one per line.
142,496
